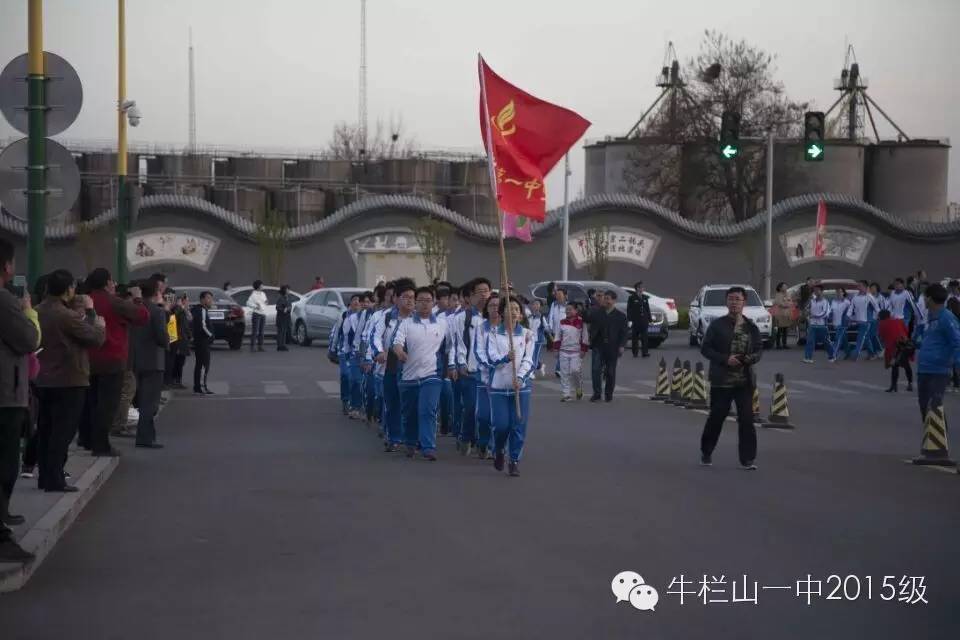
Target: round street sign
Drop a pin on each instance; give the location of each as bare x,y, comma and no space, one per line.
63,91
63,179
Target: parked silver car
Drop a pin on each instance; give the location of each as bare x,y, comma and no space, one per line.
314,315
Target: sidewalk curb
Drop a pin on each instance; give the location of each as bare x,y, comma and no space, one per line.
42,537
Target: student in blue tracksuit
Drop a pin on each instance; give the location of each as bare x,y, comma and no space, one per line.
491,321
339,350
939,351
819,312
839,320
467,324
556,313
443,311
376,357
419,345
538,327
863,310
509,376
371,393
393,424
454,320
883,302
357,345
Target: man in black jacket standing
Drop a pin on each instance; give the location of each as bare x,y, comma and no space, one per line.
608,337
638,313
202,337
150,344
732,345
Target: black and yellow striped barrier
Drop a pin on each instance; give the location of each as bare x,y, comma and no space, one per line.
934,450
686,389
676,384
779,417
698,398
663,383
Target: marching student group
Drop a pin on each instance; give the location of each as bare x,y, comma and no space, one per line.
412,357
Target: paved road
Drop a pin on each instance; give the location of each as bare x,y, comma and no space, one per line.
269,515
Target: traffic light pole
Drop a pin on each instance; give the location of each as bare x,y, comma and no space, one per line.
768,270
36,145
123,213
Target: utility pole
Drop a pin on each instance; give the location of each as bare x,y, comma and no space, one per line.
362,115
192,125
36,149
123,217
768,270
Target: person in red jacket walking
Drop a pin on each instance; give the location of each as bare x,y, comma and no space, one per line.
898,349
108,363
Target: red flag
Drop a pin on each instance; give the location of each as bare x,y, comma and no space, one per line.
528,137
819,247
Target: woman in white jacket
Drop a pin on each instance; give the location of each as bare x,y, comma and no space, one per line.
507,375
492,320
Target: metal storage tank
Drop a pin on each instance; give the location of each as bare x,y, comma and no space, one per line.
595,161
196,168
840,171
105,163
475,206
909,178
249,203
300,206
254,167
97,196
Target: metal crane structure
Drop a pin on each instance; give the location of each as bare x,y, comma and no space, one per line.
362,115
855,102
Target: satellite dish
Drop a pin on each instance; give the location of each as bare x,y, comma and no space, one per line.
63,179
64,93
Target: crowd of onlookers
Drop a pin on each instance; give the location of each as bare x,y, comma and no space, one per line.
77,358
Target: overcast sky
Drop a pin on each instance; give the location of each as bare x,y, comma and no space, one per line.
281,73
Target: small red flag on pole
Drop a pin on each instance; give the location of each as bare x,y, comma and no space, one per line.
820,246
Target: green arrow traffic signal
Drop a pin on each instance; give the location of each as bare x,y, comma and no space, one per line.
814,151
729,151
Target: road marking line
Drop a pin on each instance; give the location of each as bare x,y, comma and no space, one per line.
219,388
820,387
275,388
936,467
331,387
863,385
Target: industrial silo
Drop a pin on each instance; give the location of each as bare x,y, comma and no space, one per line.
841,170
909,179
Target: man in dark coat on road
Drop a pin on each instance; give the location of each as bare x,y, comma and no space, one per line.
608,336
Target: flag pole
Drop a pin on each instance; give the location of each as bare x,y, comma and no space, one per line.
564,272
504,280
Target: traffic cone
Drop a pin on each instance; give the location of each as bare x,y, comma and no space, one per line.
757,418
663,383
687,388
699,397
933,450
676,384
779,417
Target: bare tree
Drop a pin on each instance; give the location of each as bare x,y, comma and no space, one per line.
383,143
597,248
271,236
693,178
433,236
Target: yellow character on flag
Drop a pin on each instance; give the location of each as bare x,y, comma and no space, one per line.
504,120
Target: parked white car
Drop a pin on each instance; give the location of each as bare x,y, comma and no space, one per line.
240,295
711,302
667,306
314,315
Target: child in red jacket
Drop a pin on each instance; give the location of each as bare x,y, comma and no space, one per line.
898,349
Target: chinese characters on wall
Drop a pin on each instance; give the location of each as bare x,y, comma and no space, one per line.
624,245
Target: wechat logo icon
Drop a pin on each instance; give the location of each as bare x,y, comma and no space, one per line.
628,586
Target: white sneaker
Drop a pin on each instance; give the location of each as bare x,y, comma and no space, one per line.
807,361
566,399
133,416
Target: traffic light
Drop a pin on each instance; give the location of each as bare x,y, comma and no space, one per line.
813,134
730,135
